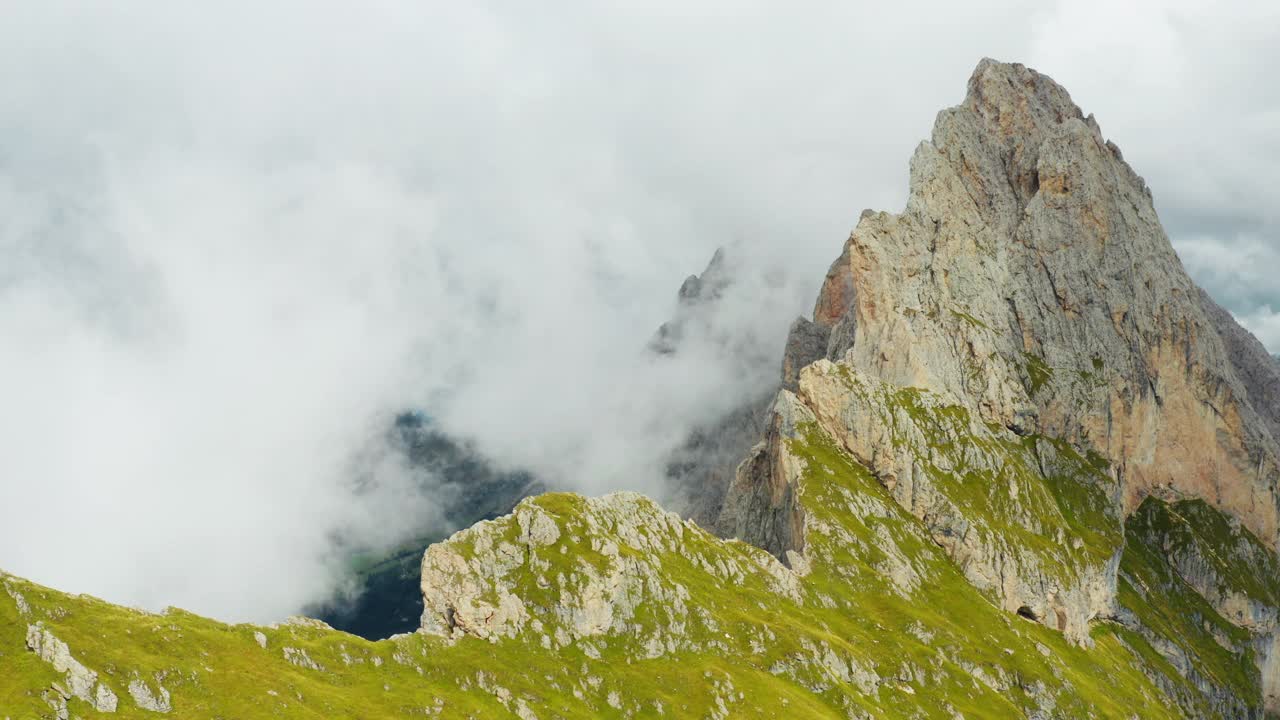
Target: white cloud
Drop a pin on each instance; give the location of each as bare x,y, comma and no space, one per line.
235,240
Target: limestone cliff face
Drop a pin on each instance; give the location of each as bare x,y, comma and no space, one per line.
761,507
1029,279
1257,370
1022,332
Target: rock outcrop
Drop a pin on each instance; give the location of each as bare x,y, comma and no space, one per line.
834,309
695,294
806,342
596,565
761,506
80,681
464,485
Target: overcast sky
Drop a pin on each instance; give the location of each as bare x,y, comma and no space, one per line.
235,241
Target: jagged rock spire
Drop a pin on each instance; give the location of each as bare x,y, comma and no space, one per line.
1029,279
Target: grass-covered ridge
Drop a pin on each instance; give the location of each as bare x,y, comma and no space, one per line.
574,607
882,625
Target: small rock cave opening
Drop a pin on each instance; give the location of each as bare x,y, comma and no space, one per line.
1028,613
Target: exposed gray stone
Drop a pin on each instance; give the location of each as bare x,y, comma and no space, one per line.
155,702
1257,370
695,292
806,342
300,657
1029,281
760,507
81,682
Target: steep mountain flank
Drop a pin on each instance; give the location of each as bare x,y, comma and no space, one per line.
1203,590
1023,334
1028,519
1030,280
1257,370
1019,466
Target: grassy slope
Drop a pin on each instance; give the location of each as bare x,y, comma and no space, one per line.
856,644
1167,605
1038,497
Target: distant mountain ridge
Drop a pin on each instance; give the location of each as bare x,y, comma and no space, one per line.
699,471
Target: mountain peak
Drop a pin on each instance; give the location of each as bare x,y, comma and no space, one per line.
1017,99
1029,280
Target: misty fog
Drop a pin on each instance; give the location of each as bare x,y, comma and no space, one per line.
237,242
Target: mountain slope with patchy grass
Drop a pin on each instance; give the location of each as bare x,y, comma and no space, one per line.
610,607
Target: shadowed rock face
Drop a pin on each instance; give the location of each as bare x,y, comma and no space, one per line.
700,470
761,506
806,342
1257,370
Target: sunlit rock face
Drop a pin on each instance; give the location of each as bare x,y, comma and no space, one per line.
1020,359
1029,280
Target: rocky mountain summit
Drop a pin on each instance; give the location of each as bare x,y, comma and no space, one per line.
1016,464
1029,292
